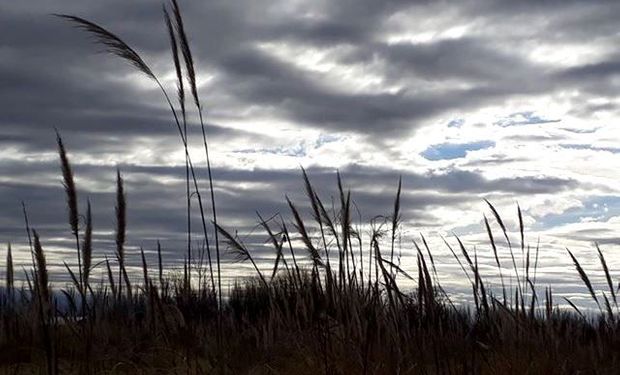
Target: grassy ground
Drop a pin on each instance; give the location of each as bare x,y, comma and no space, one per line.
299,323
313,313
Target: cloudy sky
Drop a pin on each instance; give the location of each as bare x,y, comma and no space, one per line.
505,101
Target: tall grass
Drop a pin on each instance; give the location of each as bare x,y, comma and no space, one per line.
307,314
332,302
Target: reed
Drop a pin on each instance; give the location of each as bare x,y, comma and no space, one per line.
10,275
241,252
42,279
111,282
71,193
174,48
191,76
116,46
121,227
584,277
44,304
608,278
87,247
498,218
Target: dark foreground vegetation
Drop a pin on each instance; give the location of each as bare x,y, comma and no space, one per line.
330,304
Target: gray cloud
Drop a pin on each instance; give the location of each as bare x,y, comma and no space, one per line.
52,76
49,71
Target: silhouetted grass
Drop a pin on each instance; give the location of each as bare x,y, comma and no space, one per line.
332,302
304,316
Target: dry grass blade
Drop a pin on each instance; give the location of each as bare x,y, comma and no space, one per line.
396,217
121,215
426,274
44,304
495,255
160,266
110,277
327,220
608,308
548,302
71,193
424,278
522,235
311,196
388,278
536,260
121,228
465,253
87,246
181,98
69,185
240,251
191,76
145,269
27,227
345,225
72,275
428,251
236,247
279,256
301,228
458,260
519,292
287,237
41,271
575,308
499,221
186,51
113,43
584,278
480,282
398,268
607,274
521,228
174,47
340,189
317,208
9,277
276,244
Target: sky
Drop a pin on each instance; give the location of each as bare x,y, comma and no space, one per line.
513,102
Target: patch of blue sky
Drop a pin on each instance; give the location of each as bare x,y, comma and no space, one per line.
599,208
325,139
448,151
523,118
457,123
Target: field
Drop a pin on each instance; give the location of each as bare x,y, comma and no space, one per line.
331,302
333,316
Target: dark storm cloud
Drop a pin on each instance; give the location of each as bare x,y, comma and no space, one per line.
465,58
51,75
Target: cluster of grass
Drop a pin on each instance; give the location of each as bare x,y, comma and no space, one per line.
330,304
